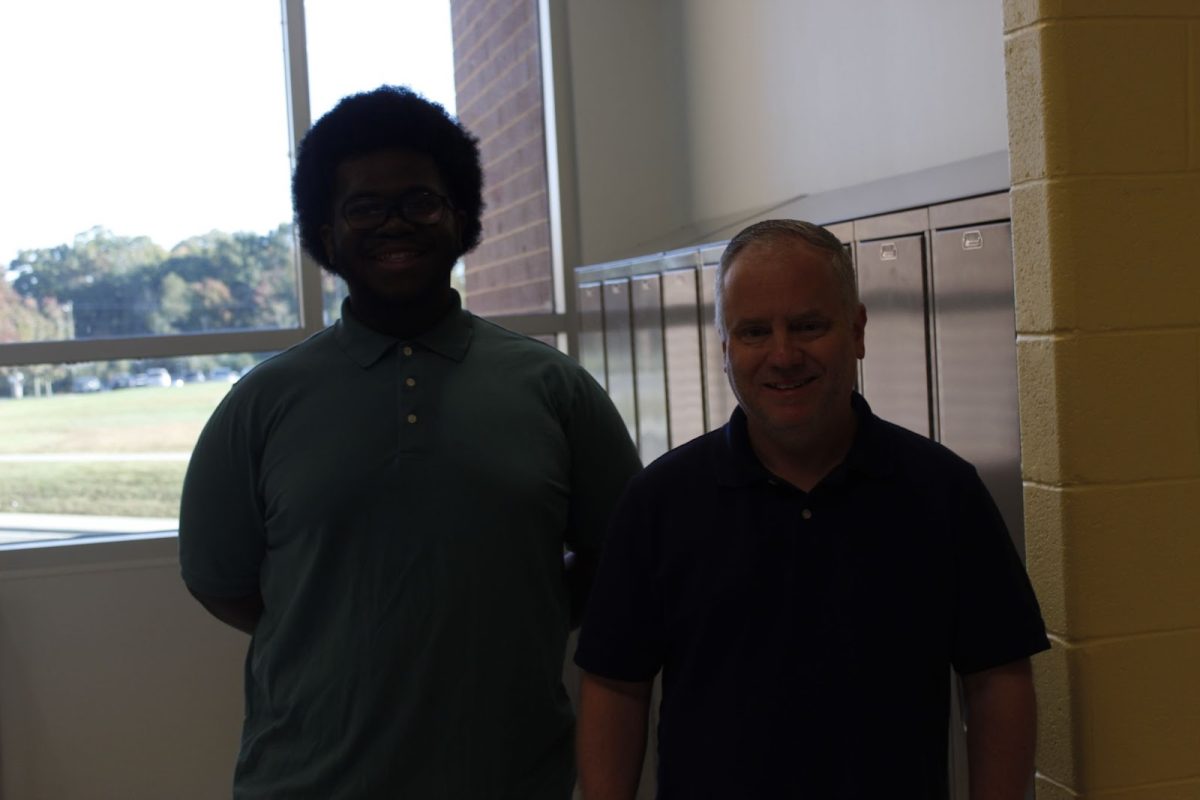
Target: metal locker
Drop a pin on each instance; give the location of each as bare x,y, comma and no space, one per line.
719,398
618,351
685,374
591,331
650,381
891,281
974,329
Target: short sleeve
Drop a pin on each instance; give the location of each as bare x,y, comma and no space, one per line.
997,619
623,632
603,459
221,530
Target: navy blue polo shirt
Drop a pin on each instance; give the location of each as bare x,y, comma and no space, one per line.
805,638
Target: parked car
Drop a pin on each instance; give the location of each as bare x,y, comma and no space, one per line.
86,383
155,376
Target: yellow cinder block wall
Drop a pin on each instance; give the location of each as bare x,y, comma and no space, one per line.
1104,137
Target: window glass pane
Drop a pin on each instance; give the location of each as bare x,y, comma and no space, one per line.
101,448
358,45
145,172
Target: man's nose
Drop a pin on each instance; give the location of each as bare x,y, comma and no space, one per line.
786,350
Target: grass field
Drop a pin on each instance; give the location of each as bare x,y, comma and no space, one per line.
142,420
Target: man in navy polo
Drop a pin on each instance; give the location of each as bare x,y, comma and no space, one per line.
805,577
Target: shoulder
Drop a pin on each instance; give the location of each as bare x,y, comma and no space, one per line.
916,457
274,383
522,359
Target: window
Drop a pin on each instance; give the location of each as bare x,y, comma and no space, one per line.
147,254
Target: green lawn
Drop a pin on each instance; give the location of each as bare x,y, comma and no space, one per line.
142,420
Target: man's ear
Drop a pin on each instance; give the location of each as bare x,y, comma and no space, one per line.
859,324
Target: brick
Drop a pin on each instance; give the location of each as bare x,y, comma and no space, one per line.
517,215
502,249
530,266
508,70
517,187
536,297
516,25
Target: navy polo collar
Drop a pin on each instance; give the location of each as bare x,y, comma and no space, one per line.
450,337
737,464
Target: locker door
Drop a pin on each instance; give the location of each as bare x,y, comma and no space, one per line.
591,331
719,398
685,376
974,327
618,351
895,377
649,367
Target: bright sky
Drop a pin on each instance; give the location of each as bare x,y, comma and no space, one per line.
168,118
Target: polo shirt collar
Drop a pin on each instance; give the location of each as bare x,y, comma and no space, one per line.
869,454
450,337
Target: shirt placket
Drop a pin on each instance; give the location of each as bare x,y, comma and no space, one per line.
412,421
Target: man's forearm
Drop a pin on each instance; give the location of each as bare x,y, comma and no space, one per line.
1001,731
611,739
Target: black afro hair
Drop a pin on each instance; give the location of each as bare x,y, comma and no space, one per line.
390,117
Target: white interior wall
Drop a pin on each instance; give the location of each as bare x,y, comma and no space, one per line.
114,683
777,99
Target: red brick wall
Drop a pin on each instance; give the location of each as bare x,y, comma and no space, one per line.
497,70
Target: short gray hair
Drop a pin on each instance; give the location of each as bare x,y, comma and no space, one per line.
772,230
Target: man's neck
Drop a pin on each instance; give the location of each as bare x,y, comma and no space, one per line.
402,320
804,461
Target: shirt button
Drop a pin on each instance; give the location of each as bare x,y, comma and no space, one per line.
806,514
407,350
410,381
412,418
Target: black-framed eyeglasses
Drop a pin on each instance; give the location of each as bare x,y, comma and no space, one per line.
418,207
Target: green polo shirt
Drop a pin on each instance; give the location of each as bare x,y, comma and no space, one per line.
402,506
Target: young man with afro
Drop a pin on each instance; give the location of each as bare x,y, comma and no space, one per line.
385,507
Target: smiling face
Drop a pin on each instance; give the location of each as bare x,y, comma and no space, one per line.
397,266
791,348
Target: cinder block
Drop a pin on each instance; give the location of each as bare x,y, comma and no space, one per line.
1115,96
1046,790
1140,709
1107,408
1042,302
1115,560
1027,130
1174,790
1058,738
1019,13
1107,253
1037,377
1194,82
1119,714
1045,556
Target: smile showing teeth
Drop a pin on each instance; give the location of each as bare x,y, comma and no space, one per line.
786,386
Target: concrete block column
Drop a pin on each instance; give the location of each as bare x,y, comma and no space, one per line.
1104,135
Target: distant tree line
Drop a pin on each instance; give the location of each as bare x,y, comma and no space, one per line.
102,285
